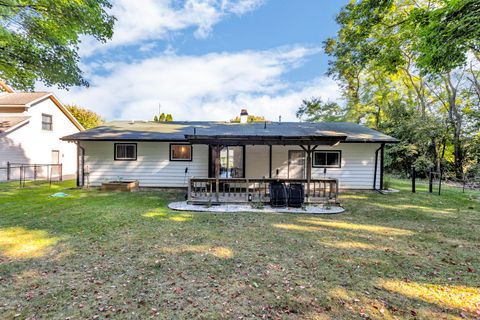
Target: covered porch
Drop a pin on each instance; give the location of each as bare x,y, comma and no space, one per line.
231,185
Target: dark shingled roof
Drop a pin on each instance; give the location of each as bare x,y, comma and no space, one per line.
179,131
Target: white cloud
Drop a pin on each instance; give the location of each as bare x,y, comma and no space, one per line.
209,87
244,6
147,20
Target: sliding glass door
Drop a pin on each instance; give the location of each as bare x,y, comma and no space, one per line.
232,162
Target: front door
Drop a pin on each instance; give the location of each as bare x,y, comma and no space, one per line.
55,157
55,170
296,164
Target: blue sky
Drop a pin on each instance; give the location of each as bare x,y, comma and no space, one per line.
207,59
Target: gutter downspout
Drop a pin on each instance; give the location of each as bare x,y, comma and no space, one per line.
382,160
82,150
375,170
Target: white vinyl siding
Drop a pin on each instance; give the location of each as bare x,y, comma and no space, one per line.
153,167
358,164
257,161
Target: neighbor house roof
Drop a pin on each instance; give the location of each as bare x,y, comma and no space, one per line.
202,131
17,99
28,99
10,122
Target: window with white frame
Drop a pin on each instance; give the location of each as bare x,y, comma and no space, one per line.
126,151
327,159
47,123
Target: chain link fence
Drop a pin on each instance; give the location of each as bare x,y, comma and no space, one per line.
23,172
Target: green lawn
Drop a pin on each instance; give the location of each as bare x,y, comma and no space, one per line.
98,255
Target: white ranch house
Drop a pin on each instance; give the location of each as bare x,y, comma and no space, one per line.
31,125
222,160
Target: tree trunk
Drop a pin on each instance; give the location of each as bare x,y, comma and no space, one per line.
455,119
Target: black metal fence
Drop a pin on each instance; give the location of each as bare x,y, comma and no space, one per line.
23,172
471,183
435,180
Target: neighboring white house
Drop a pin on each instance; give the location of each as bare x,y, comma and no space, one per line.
168,154
31,125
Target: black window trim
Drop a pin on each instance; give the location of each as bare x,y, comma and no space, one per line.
124,143
180,160
327,151
49,123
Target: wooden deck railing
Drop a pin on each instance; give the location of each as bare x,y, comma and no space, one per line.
238,190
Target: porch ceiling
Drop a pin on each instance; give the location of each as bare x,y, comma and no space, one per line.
264,140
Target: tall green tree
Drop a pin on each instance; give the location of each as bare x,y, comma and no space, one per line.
39,39
87,118
163,118
314,109
447,33
386,56
441,33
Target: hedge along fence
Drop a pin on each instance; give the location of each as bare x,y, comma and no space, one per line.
23,172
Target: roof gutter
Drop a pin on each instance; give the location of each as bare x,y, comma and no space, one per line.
80,150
